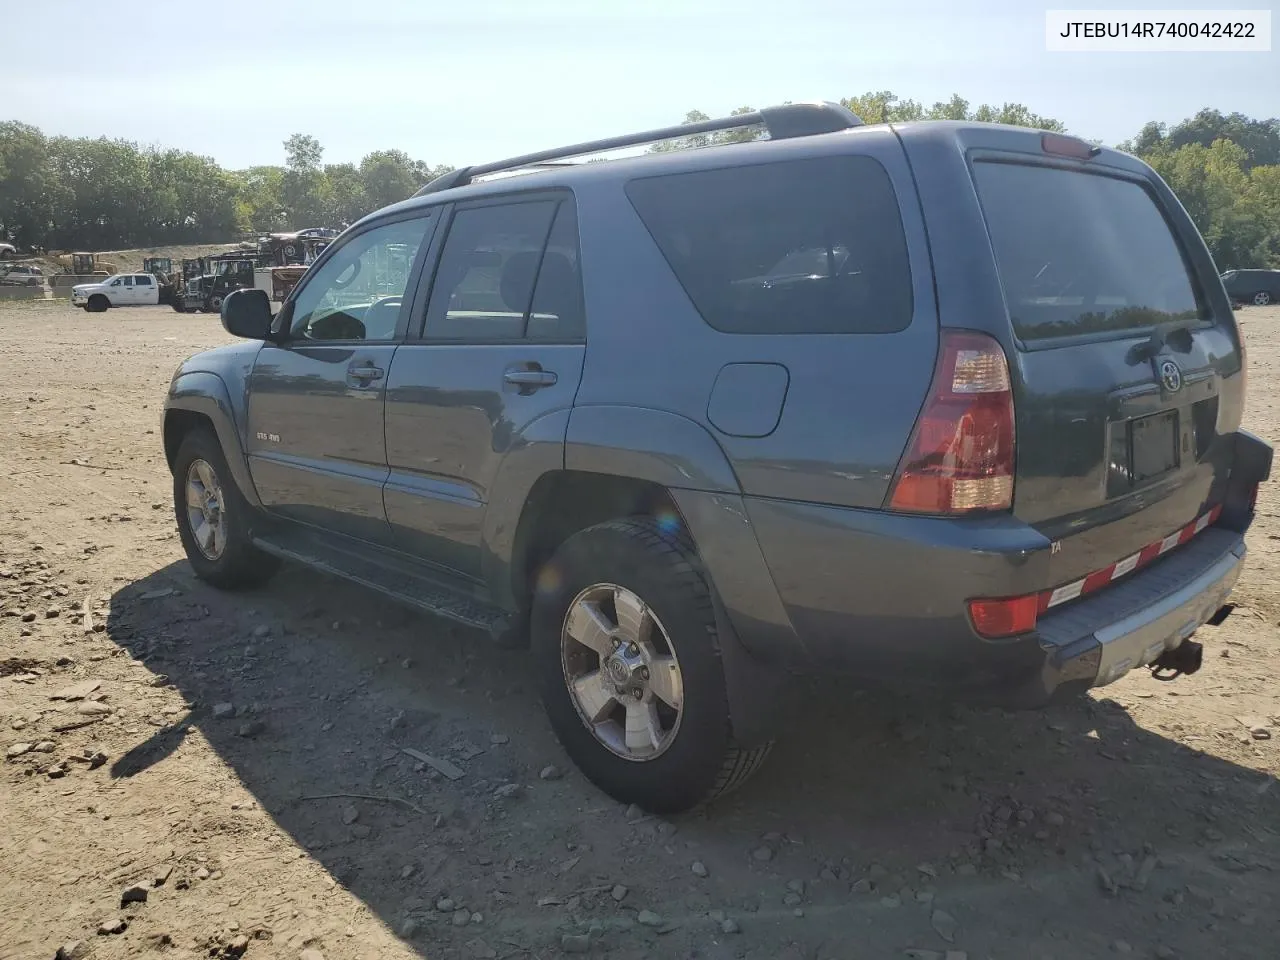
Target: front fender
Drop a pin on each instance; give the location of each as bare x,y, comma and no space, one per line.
206,394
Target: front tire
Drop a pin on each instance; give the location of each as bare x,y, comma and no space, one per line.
213,517
97,304
1261,299
625,645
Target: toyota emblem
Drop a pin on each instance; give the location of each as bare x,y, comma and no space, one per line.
1171,376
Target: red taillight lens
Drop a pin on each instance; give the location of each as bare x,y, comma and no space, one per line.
960,458
1004,618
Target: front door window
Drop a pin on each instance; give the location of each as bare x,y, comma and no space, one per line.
357,294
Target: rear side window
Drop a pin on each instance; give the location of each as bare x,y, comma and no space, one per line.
509,272
799,246
487,272
557,312
1082,253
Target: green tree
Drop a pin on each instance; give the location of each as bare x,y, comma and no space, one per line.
260,198
304,188
1233,207
347,200
27,185
1260,139
389,176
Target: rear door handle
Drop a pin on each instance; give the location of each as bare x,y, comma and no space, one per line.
365,372
530,378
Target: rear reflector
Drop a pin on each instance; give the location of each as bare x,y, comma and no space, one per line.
960,458
1004,618
1008,616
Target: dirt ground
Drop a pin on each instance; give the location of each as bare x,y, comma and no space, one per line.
240,757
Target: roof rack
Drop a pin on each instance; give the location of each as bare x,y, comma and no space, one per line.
782,123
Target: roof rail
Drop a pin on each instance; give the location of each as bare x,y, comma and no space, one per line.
782,123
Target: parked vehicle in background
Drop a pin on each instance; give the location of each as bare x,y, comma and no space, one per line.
8,251
122,290
219,275
285,257
1258,287
298,247
20,275
945,403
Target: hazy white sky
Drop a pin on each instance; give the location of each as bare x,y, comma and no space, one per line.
469,81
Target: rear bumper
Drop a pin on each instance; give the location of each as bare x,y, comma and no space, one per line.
1098,640
883,598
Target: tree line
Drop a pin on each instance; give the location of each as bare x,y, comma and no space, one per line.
96,194
100,194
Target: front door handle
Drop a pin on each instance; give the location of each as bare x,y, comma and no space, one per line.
366,372
530,378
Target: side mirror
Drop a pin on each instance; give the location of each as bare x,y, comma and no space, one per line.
247,313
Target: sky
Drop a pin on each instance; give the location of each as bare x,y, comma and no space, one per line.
465,82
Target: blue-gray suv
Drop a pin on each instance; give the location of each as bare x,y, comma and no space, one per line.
949,403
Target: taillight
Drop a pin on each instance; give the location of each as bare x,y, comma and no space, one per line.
1004,618
960,458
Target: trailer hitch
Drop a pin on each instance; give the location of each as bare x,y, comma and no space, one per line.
1186,658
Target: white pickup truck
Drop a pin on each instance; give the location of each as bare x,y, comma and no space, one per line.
121,290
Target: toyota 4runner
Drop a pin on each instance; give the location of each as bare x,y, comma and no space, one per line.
952,403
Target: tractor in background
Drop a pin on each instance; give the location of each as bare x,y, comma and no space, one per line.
84,265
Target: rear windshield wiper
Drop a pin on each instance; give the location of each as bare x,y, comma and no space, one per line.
1160,336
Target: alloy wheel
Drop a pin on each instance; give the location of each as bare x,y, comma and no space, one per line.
621,671
205,514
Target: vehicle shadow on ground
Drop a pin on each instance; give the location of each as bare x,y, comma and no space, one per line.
865,799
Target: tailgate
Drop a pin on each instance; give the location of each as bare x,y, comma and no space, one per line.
1126,382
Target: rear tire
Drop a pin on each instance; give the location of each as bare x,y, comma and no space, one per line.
218,543
97,304
684,756
1261,299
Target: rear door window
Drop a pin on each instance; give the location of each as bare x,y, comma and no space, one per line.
485,280
797,246
1081,253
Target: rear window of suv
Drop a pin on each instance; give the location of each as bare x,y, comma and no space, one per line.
1082,253
797,246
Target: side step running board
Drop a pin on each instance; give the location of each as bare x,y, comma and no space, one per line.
391,578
